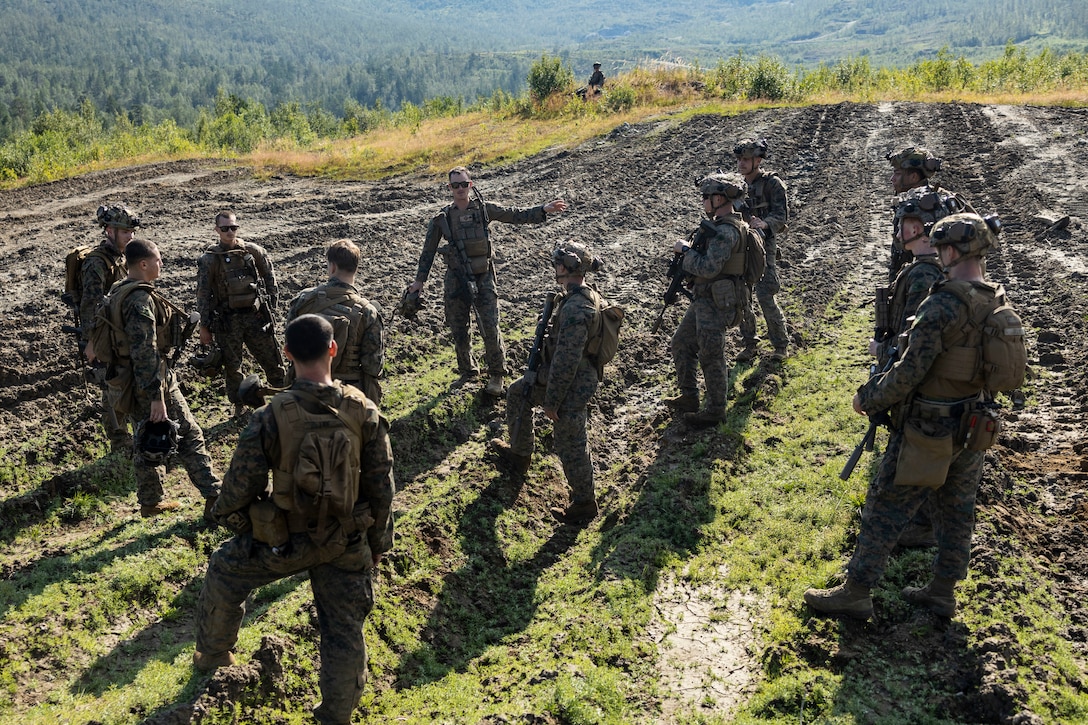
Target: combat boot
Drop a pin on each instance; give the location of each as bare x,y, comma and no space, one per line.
494,386
748,354
708,416
683,403
209,504
149,510
780,354
240,409
846,600
938,596
515,462
208,663
577,514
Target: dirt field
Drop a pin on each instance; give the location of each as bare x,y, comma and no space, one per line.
631,194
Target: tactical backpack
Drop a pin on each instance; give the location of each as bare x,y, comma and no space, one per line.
316,480
344,311
107,332
73,270
604,338
755,254
999,361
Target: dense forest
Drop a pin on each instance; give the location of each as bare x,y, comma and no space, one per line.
159,59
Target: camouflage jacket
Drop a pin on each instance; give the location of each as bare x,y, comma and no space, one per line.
767,200
911,287
212,269
366,342
939,314
258,451
448,218
570,371
708,258
144,324
97,277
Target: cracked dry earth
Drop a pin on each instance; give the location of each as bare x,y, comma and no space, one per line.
631,194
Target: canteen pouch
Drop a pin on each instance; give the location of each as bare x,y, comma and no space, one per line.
925,456
269,523
724,294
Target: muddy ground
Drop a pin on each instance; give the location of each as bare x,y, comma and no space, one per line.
631,194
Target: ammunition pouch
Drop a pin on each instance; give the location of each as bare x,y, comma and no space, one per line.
979,428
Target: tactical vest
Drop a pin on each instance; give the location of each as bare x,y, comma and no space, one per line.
898,305
167,320
735,265
343,308
468,229
316,479
233,278
759,204
957,373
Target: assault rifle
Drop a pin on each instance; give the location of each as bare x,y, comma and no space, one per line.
76,330
875,421
532,365
677,276
267,310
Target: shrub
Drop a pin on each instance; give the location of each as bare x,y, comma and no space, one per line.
548,76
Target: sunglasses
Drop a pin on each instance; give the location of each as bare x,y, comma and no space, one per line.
229,228
459,184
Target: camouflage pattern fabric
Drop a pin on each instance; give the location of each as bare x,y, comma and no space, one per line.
97,279
369,339
150,375
767,195
909,290
458,310
889,507
699,340
568,380
341,579
235,329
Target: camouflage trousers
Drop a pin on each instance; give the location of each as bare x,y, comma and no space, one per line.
888,509
116,426
343,591
191,451
459,318
699,341
571,443
765,291
245,328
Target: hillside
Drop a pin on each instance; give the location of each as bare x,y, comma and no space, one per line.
158,59
669,608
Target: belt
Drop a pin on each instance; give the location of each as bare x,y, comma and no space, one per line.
931,411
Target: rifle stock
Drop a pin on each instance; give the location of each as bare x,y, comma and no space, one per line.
875,421
676,287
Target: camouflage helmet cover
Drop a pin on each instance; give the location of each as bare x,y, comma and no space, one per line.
575,257
117,215
927,205
915,158
731,186
751,147
970,234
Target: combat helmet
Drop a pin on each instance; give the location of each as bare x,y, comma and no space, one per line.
927,205
730,185
117,215
751,147
970,234
156,442
915,158
575,257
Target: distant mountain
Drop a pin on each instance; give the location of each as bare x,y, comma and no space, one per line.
154,59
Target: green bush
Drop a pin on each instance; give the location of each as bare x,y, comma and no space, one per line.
548,76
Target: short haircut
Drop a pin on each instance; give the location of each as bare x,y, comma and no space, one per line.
344,254
138,250
308,337
459,170
225,214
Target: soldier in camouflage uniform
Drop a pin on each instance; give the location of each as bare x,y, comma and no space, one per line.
360,362
340,566
229,275
101,269
146,322
926,392
563,385
767,212
464,225
716,262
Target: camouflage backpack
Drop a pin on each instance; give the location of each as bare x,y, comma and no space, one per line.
755,254
73,270
604,339
1002,356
